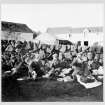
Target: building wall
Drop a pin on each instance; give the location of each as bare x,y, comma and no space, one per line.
94,37
16,36
26,36
90,37
90,34
5,35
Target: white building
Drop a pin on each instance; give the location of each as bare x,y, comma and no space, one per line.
15,31
89,34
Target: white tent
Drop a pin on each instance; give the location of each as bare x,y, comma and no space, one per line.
62,36
46,38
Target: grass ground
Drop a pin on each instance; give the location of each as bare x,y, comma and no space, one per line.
49,91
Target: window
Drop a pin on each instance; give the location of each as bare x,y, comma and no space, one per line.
86,43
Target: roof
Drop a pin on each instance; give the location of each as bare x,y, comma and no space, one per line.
66,30
15,27
90,29
59,30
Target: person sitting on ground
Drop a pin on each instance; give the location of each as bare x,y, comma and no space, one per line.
54,65
20,70
34,67
95,65
76,65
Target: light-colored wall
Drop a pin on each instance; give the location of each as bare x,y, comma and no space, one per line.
94,37
90,37
16,36
5,35
27,36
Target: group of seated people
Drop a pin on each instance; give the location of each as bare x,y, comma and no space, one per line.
58,62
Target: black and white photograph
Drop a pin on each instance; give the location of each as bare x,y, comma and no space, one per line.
52,52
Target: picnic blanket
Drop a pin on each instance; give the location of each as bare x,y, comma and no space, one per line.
88,85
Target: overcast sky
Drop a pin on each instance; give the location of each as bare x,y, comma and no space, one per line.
41,16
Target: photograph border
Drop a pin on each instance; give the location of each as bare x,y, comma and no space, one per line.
49,2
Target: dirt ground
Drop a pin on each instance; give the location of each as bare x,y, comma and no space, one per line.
48,91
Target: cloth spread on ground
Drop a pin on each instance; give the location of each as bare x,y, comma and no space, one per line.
88,85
